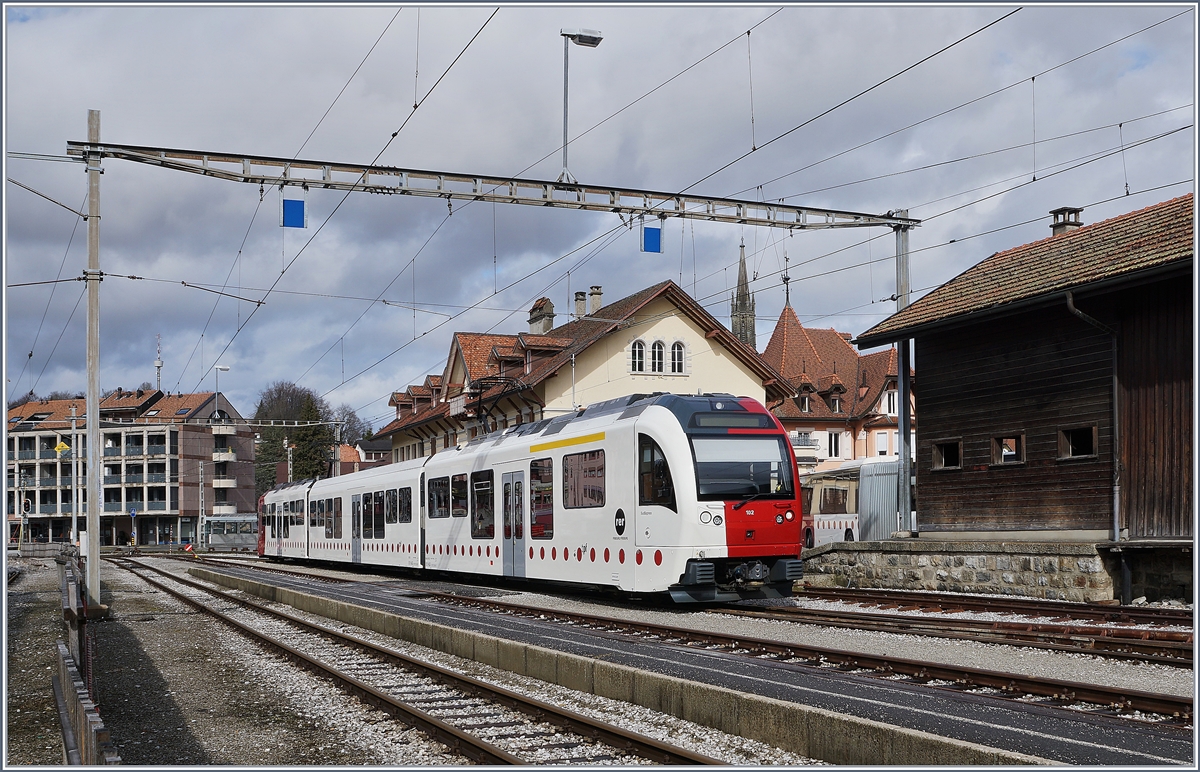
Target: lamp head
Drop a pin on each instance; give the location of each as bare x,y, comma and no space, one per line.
589,38
222,368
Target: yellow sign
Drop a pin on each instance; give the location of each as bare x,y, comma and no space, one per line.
61,446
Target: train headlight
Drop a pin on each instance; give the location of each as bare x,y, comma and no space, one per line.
779,519
705,516
789,516
717,519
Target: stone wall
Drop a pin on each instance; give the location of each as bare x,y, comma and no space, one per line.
1076,572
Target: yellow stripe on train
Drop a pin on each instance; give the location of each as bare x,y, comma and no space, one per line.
598,436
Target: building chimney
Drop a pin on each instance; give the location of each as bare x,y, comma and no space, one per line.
580,304
595,296
1065,219
541,317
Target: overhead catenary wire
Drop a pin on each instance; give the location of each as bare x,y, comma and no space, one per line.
321,227
970,102
847,101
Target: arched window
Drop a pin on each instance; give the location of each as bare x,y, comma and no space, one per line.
656,356
638,359
677,357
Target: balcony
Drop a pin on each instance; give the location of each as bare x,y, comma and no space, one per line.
156,477
65,482
47,482
224,509
156,450
224,454
224,429
47,453
133,479
48,509
112,479
224,481
112,451
156,506
26,454
112,506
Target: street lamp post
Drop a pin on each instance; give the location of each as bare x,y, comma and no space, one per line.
218,369
589,38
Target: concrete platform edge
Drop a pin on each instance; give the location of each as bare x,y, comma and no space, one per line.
813,732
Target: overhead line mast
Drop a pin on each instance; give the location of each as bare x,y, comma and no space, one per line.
392,180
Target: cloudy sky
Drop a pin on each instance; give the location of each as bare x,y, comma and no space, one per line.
1093,100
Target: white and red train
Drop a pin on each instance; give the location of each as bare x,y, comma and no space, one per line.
695,496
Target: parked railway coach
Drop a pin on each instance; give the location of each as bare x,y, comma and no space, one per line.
692,495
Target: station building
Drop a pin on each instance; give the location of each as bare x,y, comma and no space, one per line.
167,459
656,340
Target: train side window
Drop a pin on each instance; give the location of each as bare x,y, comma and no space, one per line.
327,507
390,506
654,475
583,479
541,498
833,501
519,513
287,521
404,505
356,516
312,514
379,510
337,518
483,505
298,512
458,495
439,497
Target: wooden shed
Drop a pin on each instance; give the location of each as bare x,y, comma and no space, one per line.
1055,386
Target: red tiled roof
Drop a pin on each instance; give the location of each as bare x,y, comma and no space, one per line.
1149,238
577,335
164,410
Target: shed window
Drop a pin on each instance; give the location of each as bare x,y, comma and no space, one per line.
1079,442
1009,449
947,454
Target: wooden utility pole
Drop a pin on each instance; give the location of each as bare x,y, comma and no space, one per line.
95,494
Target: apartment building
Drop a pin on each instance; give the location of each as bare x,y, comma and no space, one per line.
168,460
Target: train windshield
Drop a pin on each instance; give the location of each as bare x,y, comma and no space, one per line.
737,467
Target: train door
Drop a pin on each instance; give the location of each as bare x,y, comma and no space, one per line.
421,496
278,519
356,528
513,492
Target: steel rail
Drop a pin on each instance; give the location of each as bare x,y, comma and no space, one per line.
447,734
1001,604
1010,684
622,739
1165,647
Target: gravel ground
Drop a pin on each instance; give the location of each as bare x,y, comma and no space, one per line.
175,688
1042,663
34,615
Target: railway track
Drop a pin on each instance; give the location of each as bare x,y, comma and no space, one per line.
1003,604
1165,647
1098,699
483,722
1076,696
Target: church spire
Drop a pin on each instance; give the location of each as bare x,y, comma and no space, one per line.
742,305
787,291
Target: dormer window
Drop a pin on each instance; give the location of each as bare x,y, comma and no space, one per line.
835,404
890,399
804,406
528,362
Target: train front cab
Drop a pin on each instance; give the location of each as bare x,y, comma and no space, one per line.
717,500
